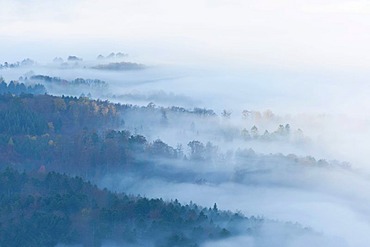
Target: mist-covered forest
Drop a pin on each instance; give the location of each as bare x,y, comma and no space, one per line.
66,160
193,123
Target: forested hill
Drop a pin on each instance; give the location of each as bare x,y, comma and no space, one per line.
44,209
68,134
74,135
30,114
88,137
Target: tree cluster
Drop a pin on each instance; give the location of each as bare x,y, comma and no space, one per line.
16,88
282,132
62,82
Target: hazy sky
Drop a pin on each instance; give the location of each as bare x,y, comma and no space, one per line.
287,33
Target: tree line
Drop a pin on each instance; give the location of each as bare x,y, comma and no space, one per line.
46,209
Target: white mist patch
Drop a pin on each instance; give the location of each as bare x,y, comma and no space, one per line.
330,202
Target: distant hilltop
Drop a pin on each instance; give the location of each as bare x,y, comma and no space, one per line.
120,66
74,59
113,55
23,63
